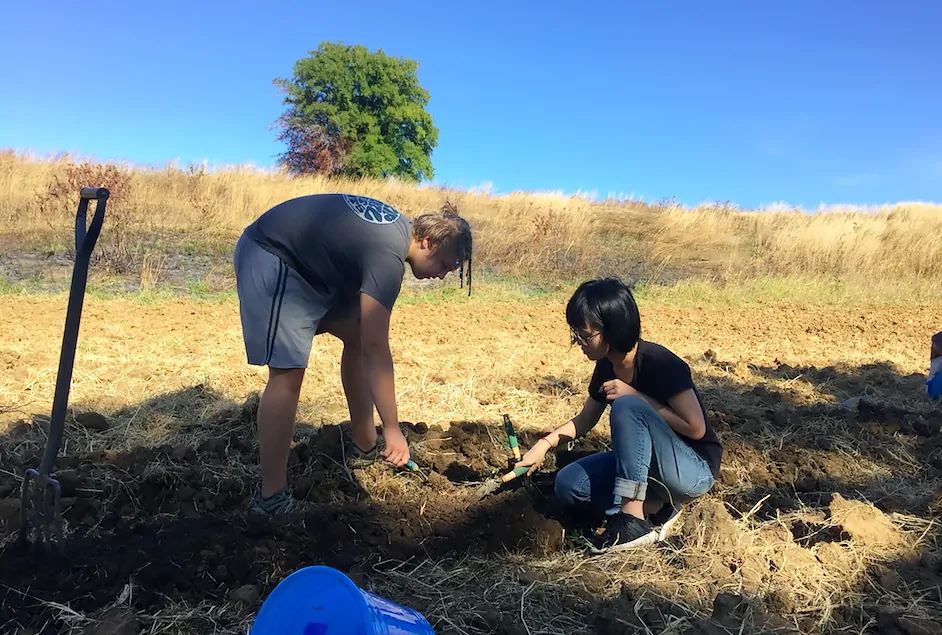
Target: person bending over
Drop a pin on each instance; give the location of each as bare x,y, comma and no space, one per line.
333,263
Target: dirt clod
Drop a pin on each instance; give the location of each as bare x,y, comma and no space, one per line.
247,594
890,580
92,421
119,620
729,608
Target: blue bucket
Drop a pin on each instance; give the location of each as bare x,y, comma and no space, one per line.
934,386
323,601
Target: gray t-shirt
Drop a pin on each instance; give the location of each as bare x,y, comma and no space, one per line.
339,243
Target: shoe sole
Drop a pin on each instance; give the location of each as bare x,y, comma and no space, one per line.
666,527
647,539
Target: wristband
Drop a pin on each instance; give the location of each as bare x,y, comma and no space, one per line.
547,442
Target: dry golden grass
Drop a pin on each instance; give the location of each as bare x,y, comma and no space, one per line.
547,236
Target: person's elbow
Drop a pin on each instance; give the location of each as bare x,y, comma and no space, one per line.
696,427
697,430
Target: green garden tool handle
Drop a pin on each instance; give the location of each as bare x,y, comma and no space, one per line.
515,473
512,437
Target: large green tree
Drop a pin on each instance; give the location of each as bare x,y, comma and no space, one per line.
358,113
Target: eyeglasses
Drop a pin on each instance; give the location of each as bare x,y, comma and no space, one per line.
583,338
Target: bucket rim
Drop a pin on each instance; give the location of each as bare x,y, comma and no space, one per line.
317,570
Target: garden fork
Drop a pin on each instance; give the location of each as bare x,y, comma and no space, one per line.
41,497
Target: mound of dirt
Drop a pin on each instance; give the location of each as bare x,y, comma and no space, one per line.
708,526
864,523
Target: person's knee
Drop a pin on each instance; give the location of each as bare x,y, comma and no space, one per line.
285,380
628,409
568,485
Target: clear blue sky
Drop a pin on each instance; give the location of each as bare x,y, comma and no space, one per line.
807,102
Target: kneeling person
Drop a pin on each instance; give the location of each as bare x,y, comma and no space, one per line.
664,450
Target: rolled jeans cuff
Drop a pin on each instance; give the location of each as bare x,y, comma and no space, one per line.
631,490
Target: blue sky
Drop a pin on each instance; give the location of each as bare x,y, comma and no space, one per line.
806,102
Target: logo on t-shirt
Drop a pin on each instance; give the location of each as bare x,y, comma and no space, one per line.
371,210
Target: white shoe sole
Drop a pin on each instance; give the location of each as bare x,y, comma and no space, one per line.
666,527
646,539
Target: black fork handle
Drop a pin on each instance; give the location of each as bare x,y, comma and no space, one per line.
85,238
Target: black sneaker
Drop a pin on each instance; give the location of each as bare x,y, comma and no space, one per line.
663,519
624,531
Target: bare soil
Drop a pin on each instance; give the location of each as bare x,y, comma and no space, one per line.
824,519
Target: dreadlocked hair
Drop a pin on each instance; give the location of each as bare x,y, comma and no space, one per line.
446,229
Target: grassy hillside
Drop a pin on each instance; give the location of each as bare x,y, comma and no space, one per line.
159,216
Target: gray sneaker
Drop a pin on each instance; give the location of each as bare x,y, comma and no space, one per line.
358,459
281,503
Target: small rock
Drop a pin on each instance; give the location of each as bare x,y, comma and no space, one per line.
92,421
120,620
247,594
916,626
853,403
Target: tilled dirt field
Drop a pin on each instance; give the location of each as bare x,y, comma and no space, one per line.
825,519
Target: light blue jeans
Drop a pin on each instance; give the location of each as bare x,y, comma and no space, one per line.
648,460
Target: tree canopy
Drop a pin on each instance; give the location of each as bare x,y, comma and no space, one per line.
356,113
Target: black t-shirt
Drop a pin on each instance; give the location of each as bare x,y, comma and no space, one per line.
660,374
339,243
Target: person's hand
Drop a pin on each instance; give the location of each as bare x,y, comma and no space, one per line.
617,388
397,449
534,456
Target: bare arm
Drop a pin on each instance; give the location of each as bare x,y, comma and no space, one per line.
573,429
377,358
579,425
682,413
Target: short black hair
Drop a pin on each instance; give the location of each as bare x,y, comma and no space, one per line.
607,305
